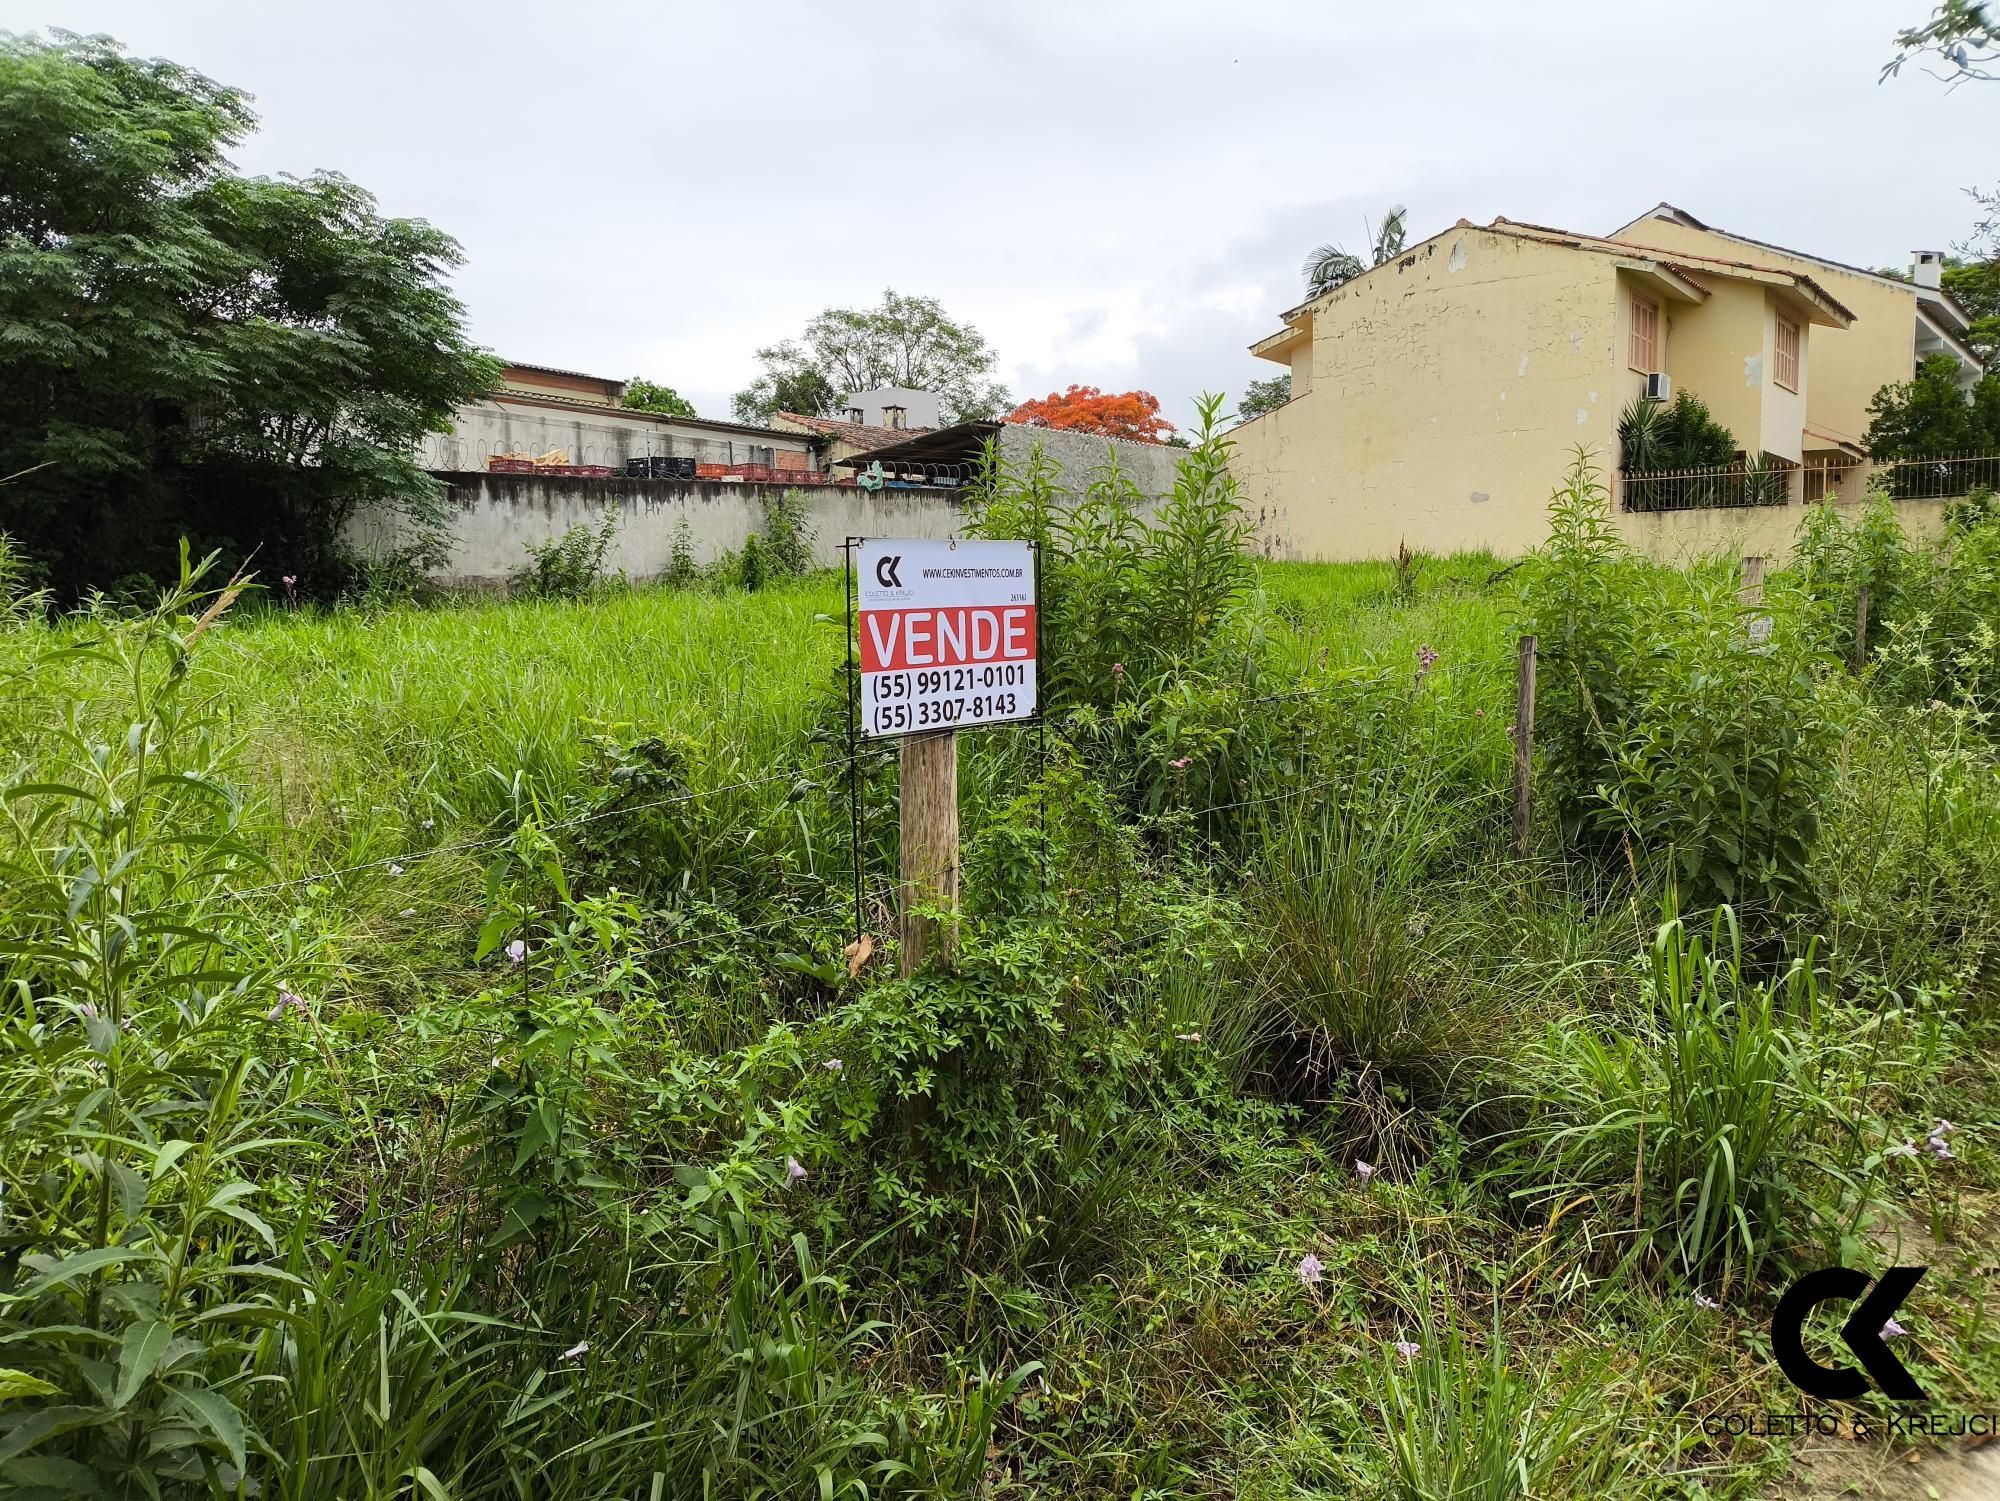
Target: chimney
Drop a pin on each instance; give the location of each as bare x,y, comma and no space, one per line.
1926,266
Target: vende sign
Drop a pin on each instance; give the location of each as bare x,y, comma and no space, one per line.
947,634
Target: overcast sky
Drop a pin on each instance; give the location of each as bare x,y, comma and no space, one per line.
1117,195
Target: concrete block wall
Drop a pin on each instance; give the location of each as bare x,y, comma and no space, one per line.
496,516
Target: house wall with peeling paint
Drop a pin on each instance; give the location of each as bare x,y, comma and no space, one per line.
1448,394
1849,365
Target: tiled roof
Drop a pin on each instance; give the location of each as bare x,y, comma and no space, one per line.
861,434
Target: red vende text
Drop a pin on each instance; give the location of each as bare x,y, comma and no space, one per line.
894,640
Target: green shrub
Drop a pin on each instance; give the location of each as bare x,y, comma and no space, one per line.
682,570
1461,1422
146,1092
570,566
753,564
1681,735
788,534
1349,981
1717,1107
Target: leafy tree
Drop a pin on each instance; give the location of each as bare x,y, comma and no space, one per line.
1930,416
805,393
1263,396
1963,34
906,341
643,395
1330,266
1975,286
188,352
1085,409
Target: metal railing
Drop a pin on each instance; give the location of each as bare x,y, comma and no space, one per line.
1775,482
1730,486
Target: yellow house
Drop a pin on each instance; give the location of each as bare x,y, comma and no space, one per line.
1437,398
1897,324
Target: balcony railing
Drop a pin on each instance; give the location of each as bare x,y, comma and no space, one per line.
1777,483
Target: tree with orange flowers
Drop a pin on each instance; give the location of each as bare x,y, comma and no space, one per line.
1085,409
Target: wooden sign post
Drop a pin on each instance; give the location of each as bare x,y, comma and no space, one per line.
947,634
1753,581
928,773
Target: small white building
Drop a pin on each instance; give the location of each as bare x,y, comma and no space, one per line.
896,407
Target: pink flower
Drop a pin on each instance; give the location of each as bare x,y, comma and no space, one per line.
794,1171
1182,764
1311,1268
288,1000
1118,669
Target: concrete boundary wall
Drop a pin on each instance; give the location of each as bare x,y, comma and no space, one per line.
495,516
1680,537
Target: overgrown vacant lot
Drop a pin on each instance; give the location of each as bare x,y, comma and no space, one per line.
433,1066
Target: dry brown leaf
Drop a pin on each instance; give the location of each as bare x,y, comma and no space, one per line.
859,953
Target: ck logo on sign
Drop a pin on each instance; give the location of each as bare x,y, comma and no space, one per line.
1862,1333
885,572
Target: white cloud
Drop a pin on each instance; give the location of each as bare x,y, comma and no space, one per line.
1116,194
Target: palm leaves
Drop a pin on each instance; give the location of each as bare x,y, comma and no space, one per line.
1330,266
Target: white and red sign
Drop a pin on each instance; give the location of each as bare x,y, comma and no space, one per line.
947,634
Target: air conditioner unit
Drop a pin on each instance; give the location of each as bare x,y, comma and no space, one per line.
1658,386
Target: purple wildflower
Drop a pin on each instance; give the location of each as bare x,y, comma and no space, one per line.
1426,660
288,1000
1310,1270
794,1171
1364,1171
517,951
833,1065
1409,1349
1893,1330
1118,669
1703,1301
1182,763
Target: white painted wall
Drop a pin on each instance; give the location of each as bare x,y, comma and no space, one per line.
496,516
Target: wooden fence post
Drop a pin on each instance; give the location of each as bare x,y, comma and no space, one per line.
1753,581
928,770
1861,629
1524,750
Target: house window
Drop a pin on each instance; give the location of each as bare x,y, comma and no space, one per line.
1645,353
1785,367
